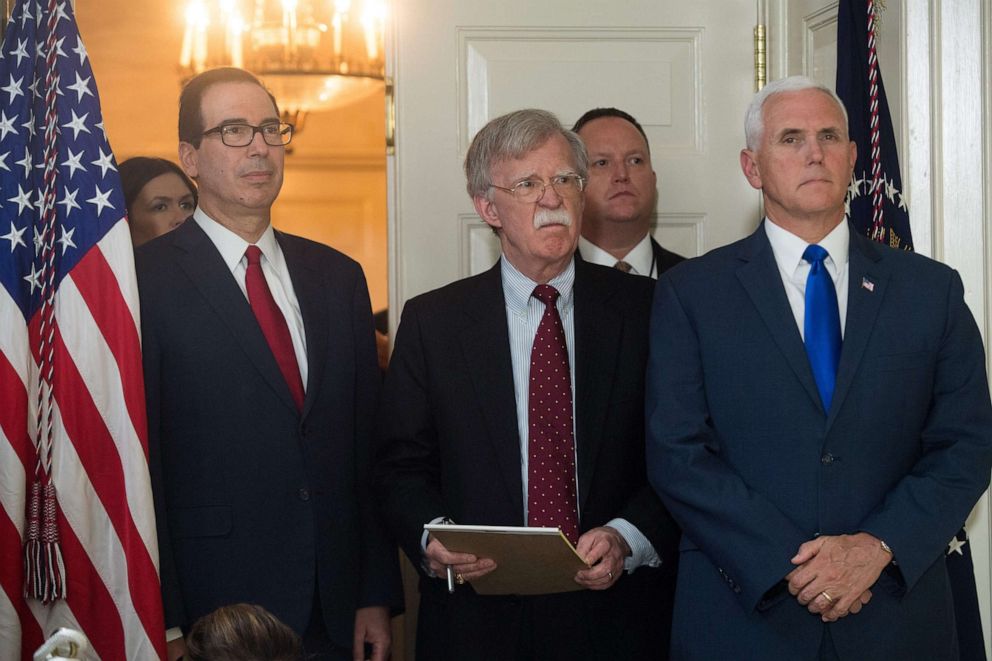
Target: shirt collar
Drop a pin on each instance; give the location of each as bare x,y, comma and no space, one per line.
640,257
789,248
231,246
517,288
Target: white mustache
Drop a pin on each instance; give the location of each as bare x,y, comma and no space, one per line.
558,216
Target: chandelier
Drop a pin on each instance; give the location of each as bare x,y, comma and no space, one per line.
311,54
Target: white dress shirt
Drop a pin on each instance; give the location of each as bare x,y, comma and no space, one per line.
641,257
788,250
232,250
523,316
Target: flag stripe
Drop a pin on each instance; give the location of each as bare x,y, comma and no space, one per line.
116,327
80,417
88,599
119,252
93,359
14,363
17,626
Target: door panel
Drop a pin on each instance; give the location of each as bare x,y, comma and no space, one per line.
685,70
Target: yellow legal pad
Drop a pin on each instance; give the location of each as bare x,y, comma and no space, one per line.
528,560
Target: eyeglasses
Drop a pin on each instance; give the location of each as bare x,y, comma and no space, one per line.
531,191
275,134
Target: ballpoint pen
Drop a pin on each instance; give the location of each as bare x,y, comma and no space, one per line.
451,579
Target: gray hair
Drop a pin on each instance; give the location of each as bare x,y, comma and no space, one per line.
754,119
512,136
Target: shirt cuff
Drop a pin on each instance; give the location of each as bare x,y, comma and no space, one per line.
432,522
641,550
423,546
172,634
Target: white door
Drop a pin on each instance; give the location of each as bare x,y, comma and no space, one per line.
685,70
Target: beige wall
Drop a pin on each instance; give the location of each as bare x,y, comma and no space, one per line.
335,190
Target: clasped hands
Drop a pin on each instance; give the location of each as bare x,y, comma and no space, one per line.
834,573
603,549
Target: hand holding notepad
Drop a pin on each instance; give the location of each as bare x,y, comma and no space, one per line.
528,560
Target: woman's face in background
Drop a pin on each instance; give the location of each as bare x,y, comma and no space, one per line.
161,206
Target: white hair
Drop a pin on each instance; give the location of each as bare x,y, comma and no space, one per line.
754,119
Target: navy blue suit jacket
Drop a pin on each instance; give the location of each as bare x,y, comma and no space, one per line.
751,466
256,502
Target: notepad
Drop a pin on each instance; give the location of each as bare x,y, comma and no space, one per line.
528,560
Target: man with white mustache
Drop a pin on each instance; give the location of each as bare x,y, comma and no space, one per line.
261,380
469,433
551,217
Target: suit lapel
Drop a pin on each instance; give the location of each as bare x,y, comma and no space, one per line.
760,277
598,332
199,259
307,285
485,344
867,279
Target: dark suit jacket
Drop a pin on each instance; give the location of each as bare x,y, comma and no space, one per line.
451,447
254,502
665,259
751,466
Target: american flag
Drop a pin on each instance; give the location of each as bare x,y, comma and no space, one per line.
72,411
876,203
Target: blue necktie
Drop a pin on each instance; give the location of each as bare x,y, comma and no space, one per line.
821,324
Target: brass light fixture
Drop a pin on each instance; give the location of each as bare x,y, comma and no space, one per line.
312,54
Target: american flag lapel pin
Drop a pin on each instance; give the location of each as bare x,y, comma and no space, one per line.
868,284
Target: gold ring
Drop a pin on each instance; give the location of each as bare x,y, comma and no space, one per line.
611,575
826,596
459,579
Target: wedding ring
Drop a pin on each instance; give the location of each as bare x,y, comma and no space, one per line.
611,575
459,579
826,596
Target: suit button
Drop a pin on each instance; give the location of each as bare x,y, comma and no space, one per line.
303,494
827,459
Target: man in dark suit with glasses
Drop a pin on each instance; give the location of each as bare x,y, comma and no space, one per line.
261,379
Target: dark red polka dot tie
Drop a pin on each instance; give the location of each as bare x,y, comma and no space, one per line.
551,494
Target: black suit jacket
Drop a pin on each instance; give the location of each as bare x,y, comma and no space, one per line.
664,259
451,447
256,502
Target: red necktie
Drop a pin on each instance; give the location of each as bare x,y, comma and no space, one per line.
551,499
273,324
